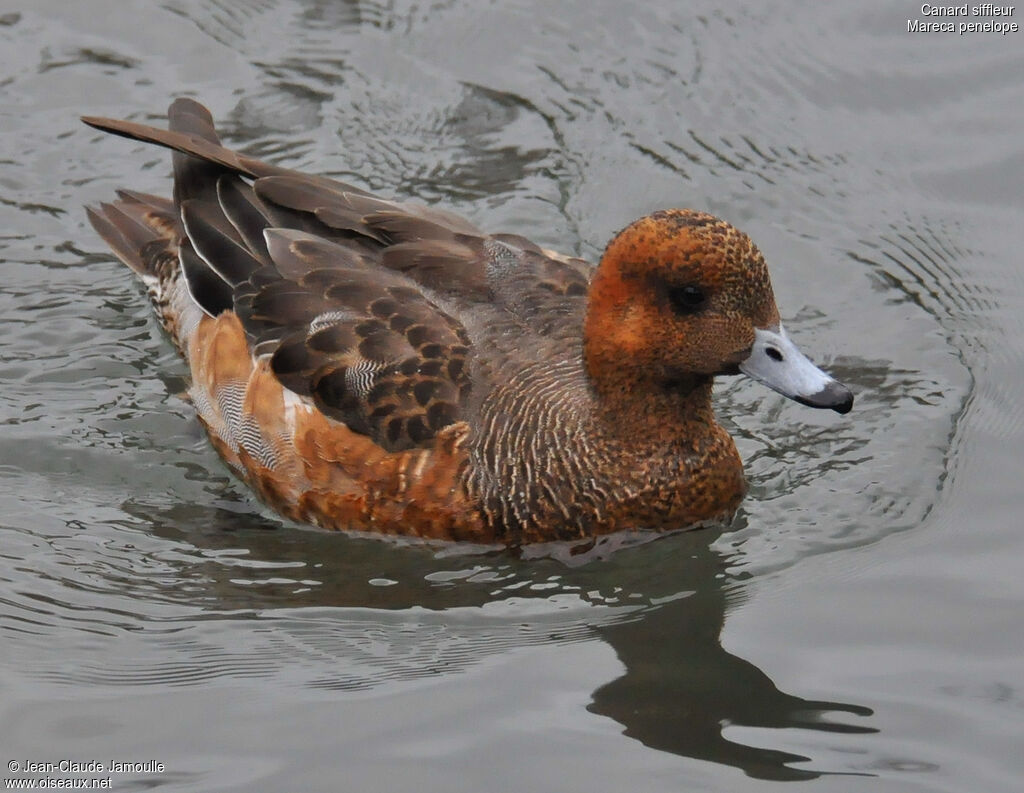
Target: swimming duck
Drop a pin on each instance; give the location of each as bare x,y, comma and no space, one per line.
385,366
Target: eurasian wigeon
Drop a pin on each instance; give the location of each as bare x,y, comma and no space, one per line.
388,367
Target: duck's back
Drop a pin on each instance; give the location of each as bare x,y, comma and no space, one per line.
347,352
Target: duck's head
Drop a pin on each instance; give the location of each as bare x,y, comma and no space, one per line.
681,296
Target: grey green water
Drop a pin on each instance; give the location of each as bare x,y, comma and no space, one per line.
859,625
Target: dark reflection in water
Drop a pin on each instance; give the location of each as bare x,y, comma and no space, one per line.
681,690
669,598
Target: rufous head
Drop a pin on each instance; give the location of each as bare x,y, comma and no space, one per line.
681,296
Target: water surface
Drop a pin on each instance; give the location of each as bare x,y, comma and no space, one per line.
858,624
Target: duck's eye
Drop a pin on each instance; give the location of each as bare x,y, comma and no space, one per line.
687,299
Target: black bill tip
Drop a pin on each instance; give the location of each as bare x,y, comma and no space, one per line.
834,396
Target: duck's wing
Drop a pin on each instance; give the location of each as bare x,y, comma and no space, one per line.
439,251
355,299
367,344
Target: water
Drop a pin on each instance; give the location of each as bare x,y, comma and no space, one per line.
858,625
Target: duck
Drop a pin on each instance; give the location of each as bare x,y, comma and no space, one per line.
383,366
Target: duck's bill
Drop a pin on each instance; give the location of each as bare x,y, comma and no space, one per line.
775,361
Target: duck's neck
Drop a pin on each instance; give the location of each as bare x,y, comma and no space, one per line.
649,411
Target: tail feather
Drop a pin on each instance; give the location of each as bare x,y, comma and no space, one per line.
154,202
103,220
192,133
131,225
194,178
145,233
191,118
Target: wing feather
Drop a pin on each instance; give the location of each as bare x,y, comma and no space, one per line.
353,298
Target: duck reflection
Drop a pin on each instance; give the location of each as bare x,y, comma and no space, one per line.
664,603
682,690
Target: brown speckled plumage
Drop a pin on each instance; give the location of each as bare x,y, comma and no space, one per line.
383,366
